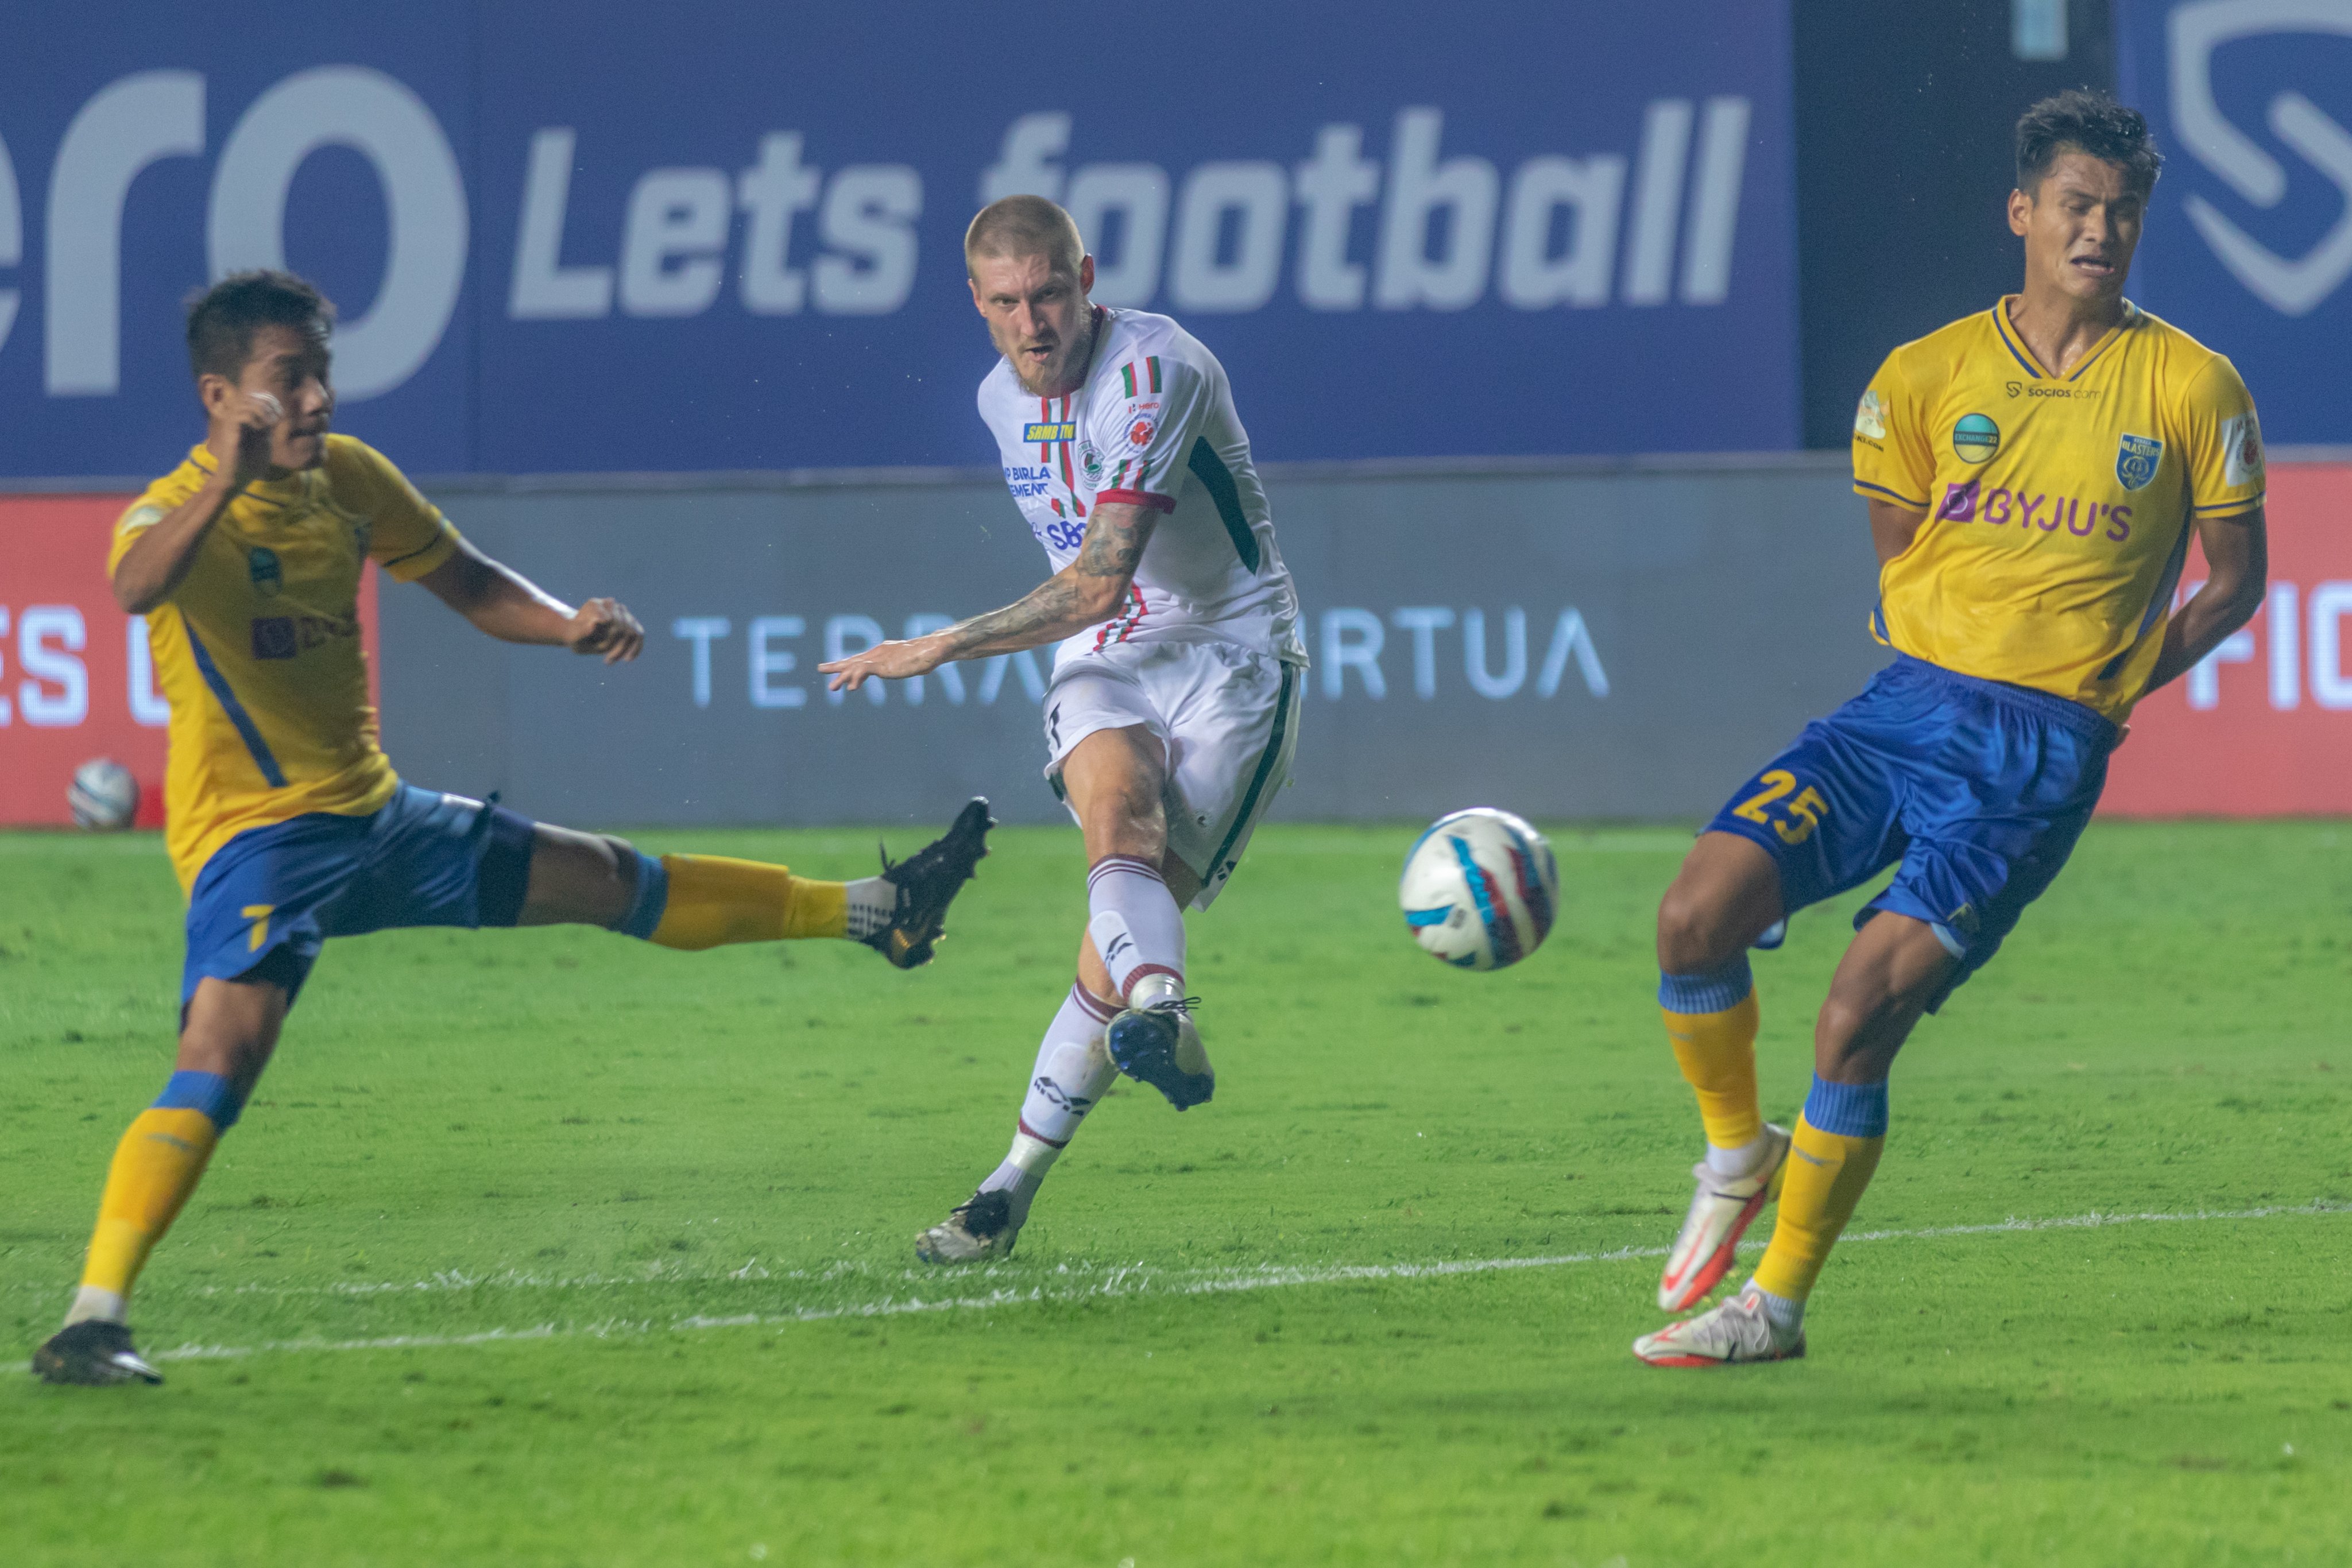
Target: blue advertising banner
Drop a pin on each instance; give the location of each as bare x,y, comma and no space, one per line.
2249,242
598,237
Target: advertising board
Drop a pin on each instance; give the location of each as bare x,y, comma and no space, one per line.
2249,241
76,682
2262,727
1594,645
598,237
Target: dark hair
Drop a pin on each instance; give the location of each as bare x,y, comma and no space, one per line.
2082,121
223,319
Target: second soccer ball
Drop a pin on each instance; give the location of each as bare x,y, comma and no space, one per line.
1480,889
103,795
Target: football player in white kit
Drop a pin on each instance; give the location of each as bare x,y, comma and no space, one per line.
1173,710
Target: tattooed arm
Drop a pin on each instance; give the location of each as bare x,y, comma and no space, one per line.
1088,591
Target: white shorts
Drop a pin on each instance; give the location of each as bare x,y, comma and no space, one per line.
1228,716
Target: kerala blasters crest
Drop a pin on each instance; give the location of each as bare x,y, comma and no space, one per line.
2135,460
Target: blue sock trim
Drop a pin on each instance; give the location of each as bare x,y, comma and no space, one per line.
1717,991
209,1092
652,897
1849,1110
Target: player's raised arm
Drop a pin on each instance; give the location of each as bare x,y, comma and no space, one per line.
1085,592
244,429
508,606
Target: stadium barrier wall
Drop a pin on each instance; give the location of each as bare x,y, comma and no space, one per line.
1615,642
1609,640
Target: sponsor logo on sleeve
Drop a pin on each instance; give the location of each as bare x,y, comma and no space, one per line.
2242,451
1976,438
1870,418
2135,460
1140,432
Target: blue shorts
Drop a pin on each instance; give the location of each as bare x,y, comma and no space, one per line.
1978,789
271,896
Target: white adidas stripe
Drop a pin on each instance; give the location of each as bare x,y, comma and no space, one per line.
1140,1281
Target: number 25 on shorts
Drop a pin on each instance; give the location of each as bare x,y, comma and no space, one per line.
1803,814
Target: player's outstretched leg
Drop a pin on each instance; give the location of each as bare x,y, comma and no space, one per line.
923,885
1072,1073
1726,893
696,902
231,1029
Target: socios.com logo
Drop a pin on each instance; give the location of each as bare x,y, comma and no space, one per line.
2294,286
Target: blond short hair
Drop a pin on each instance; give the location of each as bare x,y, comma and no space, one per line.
1024,225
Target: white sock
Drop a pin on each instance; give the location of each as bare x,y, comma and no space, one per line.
1136,929
1733,1163
1786,1315
1071,1072
872,902
89,1301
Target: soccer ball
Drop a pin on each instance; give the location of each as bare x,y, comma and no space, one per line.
1480,889
104,797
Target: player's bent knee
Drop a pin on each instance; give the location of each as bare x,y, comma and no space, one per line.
1861,1027
1694,933
229,1029
1127,822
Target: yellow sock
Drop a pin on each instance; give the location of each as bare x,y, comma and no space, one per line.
714,901
1717,1054
156,1167
1827,1174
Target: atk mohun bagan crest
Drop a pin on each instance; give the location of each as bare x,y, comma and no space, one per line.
2135,460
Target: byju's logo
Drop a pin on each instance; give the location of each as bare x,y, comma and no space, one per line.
2291,286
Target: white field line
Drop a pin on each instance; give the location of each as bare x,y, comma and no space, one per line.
1143,1281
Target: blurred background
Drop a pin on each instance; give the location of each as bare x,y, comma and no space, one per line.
1547,322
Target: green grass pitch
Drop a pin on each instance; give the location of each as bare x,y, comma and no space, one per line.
551,1247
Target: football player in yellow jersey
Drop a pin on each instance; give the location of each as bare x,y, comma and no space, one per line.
286,823
2034,473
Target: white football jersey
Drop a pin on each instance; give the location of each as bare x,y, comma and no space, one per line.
1153,426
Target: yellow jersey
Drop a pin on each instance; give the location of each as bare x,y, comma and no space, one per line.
2059,509
258,650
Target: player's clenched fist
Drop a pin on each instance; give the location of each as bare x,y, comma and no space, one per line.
605,627
244,425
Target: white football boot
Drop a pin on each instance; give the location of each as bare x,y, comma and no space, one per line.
1720,1213
1735,1330
980,1231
